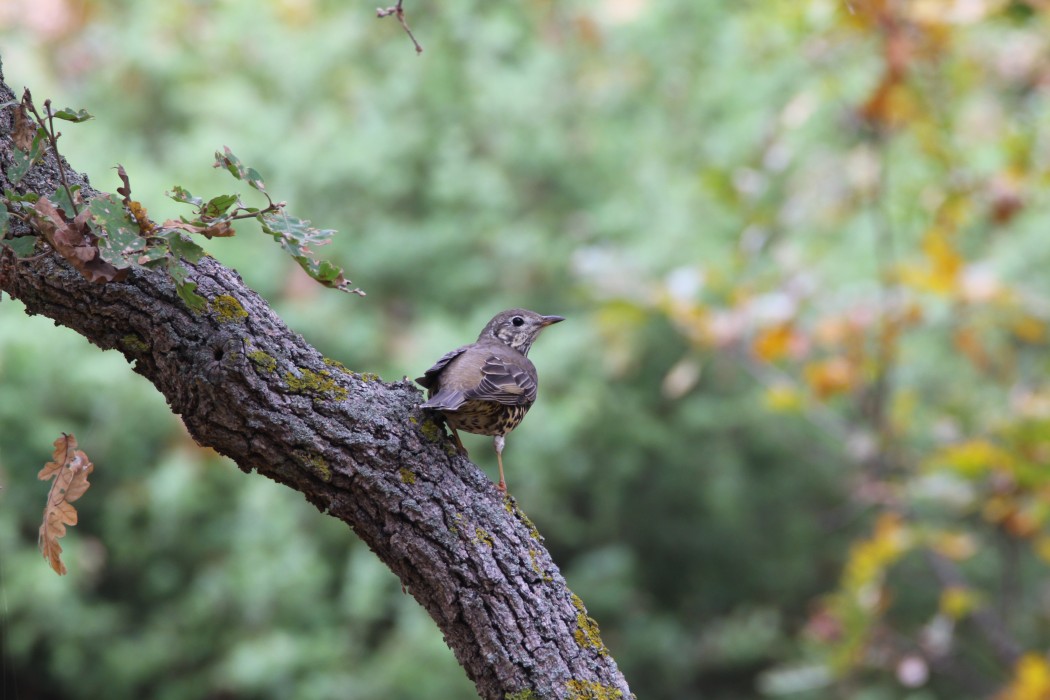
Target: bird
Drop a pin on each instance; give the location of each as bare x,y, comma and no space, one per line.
487,387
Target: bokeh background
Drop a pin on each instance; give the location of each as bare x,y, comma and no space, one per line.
792,441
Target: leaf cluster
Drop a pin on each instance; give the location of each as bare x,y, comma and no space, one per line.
108,236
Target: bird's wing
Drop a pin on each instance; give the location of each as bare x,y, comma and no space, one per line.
506,382
430,376
445,400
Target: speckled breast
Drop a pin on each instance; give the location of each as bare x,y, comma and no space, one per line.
486,417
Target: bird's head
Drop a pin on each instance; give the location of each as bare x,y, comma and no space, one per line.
517,328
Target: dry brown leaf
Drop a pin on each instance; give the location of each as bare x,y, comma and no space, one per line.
69,468
223,229
24,129
73,242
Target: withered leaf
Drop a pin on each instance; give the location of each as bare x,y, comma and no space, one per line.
221,229
69,239
24,129
124,191
69,468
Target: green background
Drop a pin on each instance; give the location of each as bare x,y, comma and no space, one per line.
593,160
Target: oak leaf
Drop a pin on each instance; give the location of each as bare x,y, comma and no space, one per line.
69,469
73,242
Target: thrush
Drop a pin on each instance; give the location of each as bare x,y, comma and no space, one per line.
487,387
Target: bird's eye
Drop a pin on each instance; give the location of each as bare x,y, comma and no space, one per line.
518,321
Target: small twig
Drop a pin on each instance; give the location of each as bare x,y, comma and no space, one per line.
274,206
34,258
398,12
991,625
52,139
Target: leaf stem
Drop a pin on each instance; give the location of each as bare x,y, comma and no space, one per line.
399,12
52,138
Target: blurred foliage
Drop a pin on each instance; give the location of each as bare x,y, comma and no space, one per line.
793,441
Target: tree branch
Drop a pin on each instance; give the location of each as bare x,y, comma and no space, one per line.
358,448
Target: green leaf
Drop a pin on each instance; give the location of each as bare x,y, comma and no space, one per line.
119,241
23,161
184,287
217,206
182,246
5,221
28,197
73,115
298,232
296,236
181,194
61,200
152,255
226,159
23,246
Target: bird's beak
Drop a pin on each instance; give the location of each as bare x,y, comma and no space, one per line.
550,320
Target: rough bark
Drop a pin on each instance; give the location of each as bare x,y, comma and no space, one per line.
357,447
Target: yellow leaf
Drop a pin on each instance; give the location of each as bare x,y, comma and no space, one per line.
1029,329
945,261
783,398
1042,548
973,458
869,559
1031,680
954,545
957,602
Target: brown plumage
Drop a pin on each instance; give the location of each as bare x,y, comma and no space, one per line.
487,387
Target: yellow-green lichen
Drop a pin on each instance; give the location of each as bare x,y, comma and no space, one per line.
454,529
133,343
587,633
522,695
413,420
431,430
320,385
337,365
318,465
369,377
514,509
592,690
227,309
534,558
407,477
262,360
482,537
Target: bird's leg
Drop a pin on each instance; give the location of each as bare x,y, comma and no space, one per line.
498,442
459,443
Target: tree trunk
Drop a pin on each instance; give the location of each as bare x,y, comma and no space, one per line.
358,448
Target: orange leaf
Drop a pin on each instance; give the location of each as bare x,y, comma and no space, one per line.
969,344
69,468
773,343
829,377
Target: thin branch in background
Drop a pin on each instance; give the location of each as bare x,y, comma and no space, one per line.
990,624
886,259
1010,590
399,12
